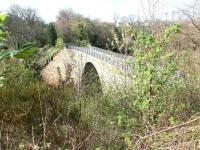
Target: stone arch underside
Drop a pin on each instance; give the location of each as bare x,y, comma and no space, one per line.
90,80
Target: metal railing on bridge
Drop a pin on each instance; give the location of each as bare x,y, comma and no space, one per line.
116,59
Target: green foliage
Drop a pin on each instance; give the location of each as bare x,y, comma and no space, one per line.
3,36
66,116
46,55
176,28
155,73
80,33
76,29
109,120
121,39
2,18
3,33
59,43
24,53
21,98
26,50
1,80
52,35
156,100
83,43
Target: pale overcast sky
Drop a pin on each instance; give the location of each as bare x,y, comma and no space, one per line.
101,9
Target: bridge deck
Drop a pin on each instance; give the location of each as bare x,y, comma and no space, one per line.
116,59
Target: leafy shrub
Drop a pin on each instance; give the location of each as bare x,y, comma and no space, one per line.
59,42
52,35
158,96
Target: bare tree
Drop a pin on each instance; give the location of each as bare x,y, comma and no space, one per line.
65,19
24,26
192,23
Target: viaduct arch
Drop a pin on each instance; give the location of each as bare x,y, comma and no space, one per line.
111,71
90,79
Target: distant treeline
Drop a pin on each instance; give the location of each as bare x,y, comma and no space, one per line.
24,25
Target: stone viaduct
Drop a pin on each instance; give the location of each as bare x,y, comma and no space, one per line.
112,70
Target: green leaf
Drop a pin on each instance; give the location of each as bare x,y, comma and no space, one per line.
3,17
26,51
7,54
